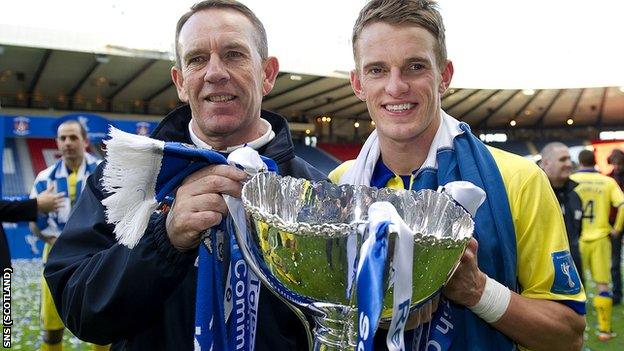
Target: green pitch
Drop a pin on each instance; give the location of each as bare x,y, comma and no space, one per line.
591,341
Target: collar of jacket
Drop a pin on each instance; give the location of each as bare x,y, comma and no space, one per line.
174,128
569,185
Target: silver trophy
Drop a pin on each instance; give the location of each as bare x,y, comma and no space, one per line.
303,240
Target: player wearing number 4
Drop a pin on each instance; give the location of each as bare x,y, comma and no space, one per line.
598,193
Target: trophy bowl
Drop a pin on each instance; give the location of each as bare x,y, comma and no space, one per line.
303,240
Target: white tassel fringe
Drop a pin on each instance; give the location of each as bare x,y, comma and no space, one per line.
133,164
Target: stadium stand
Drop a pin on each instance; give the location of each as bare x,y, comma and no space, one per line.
13,182
318,158
539,144
342,151
517,147
43,152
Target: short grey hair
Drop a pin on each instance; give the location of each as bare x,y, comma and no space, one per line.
549,148
261,36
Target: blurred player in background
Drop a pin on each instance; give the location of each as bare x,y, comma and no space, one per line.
68,175
598,193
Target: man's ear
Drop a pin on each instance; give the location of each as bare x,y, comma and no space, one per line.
447,76
270,71
178,80
356,84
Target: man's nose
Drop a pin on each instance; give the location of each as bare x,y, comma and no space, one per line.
396,86
216,71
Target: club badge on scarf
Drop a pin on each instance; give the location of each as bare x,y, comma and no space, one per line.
225,316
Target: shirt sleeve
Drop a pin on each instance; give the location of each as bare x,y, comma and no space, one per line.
335,175
545,267
16,211
617,200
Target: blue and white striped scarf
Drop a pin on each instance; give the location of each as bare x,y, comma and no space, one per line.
51,224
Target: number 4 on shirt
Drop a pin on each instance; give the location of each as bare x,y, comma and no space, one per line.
588,211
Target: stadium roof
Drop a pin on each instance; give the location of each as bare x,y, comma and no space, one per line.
521,61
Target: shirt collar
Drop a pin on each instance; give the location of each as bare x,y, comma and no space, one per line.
443,139
63,171
587,170
254,144
381,175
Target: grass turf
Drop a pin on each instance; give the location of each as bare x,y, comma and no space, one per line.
591,340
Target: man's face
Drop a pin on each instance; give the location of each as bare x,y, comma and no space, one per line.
221,74
399,78
70,142
558,165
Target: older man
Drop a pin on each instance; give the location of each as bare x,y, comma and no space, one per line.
521,288
557,165
144,298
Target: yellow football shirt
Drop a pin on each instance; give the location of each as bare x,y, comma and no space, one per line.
598,193
72,180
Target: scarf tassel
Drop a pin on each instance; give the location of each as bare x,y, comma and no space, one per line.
132,194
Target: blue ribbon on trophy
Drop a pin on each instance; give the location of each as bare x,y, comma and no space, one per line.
370,287
157,169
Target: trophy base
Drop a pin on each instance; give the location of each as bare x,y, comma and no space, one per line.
335,328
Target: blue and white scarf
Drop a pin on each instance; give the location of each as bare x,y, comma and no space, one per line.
456,154
226,312
51,224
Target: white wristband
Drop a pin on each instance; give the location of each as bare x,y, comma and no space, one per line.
494,301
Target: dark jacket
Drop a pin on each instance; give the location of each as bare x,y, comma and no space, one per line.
144,298
14,211
572,209
619,179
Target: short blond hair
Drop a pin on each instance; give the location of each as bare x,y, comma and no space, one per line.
421,13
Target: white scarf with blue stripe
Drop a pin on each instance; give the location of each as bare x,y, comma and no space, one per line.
455,154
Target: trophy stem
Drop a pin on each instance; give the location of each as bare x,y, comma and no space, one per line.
335,330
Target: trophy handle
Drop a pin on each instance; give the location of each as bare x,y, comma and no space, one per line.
245,250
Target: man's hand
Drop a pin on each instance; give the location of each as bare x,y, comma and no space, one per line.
50,240
422,315
199,205
467,283
49,200
615,234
